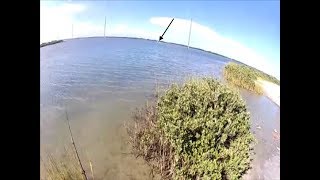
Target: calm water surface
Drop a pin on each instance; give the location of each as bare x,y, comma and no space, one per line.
100,81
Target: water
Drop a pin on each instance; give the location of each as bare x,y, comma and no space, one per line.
100,81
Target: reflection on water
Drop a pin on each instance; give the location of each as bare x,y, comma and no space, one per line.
100,81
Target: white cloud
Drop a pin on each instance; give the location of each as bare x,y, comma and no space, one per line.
56,23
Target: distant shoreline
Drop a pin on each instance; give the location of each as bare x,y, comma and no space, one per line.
153,40
163,42
50,43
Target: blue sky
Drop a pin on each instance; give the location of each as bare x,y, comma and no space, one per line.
248,31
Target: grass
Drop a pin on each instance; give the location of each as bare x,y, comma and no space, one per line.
198,130
64,167
67,167
245,77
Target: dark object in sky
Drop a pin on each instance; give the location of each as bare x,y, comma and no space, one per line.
161,37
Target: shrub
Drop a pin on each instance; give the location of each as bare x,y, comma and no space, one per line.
245,77
199,130
241,76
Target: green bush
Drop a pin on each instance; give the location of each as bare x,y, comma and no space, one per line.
245,77
241,76
199,130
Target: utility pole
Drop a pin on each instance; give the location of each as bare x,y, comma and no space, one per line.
72,31
104,31
189,32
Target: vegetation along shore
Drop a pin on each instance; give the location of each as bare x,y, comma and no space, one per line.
50,43
247,77
198,130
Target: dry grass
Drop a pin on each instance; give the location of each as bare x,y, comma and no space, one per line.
68,166
158,153
64,167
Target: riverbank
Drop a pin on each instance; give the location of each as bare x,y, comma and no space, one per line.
271,90
253,80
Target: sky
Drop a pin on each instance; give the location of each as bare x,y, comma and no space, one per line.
247,31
